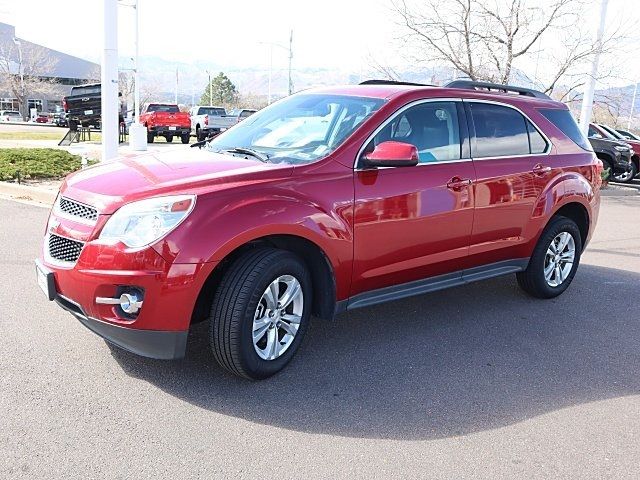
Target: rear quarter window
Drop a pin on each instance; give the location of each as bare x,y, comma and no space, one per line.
565,122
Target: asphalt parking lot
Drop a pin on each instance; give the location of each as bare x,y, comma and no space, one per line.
475,382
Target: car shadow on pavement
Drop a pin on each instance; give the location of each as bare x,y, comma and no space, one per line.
449,363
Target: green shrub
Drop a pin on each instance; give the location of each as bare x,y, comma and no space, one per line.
36,163
605,174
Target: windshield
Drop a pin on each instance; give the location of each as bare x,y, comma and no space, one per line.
299,129
612,132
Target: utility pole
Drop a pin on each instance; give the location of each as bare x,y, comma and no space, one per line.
270,71
633,104
210,89
175,96
109,81
21,69
290,58
587,100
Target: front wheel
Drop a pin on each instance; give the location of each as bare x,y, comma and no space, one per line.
260,313
627,176
554,261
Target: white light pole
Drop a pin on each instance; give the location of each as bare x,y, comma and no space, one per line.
633,104
109,81
137,131
287,49
21,70
587,100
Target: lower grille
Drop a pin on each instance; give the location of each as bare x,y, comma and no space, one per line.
64,249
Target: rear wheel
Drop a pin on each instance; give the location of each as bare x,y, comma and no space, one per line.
199,134
554,261
260,313
627,176
150,137
185,138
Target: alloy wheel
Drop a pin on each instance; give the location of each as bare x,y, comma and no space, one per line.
277,317
559,259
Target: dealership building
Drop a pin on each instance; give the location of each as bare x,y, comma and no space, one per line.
63,69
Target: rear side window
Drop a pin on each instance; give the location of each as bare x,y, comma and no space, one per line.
564,121
537,143
500,131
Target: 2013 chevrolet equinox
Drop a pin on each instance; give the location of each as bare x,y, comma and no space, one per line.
328,200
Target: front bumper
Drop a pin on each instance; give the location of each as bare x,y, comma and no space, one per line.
158,344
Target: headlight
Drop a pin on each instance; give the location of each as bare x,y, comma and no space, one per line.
141,223
620,148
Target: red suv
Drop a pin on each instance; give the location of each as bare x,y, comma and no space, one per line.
326,201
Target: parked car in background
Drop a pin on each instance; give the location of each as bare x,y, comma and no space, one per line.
635,146
10,116
166,120
615,156
83,106
210,121
610,134
326,201
242,113
60,119
42,118
628,135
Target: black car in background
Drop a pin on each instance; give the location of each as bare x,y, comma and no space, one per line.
614,155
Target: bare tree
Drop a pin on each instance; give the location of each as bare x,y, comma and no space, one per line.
27,69
485,39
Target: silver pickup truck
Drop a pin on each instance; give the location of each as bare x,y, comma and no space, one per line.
208,121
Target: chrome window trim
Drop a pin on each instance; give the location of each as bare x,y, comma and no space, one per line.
501,104
392,117
472,158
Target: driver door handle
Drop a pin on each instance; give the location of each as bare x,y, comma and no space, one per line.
541,169
457,183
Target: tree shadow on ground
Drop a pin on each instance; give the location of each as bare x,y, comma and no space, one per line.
449,363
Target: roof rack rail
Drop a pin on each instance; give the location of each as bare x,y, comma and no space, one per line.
472,85
393,82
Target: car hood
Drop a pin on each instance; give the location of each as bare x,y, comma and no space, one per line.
109,185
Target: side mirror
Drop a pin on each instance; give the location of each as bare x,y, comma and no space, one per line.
392,154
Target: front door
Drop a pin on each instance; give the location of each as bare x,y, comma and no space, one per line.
415,222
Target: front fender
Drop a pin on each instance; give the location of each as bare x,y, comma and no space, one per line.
221,223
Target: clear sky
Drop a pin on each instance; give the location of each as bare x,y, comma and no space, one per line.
327,33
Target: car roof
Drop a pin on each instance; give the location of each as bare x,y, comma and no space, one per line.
391,91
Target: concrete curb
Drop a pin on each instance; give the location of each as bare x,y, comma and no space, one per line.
27,192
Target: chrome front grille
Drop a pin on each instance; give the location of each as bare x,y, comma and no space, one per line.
76,209
64,249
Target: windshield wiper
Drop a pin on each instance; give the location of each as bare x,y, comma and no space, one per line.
263,157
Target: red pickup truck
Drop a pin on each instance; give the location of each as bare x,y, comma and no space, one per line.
166,120
326,201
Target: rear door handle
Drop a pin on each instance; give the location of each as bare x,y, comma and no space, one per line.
540,169
457,183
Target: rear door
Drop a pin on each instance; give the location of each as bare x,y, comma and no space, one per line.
411,223
513,166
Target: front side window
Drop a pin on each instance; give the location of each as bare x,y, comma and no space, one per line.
299,129
500,131
432,127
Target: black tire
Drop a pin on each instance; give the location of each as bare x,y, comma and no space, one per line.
168,138
199,135
150,137
532,280
234,306
73,125
629,176
185,138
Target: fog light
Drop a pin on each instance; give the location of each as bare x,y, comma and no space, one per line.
129,302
